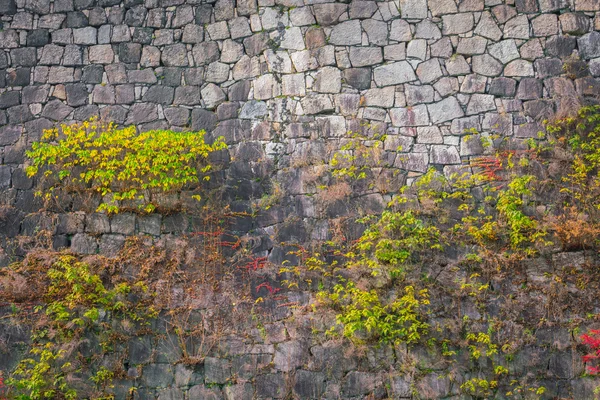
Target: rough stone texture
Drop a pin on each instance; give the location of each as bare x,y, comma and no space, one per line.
284,81
395,73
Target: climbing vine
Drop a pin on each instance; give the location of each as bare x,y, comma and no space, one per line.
126,169
496,215
75,302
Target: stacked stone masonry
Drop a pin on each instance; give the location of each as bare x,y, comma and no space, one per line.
284,82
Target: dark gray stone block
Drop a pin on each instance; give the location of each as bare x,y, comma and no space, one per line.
143,35
24,57
9,99
141,113
61,6
83,4
19,114
86,112
130,52
76,19
503,87
38,37
187,95
239,91
159,94
8,7
216,370
358,78
203,120
117,114
9,134
171,76
92,74
157,375
560,46
310,385
203,14
359,383
20,180
18,77
123,223
177,116
56,110
589,45
546,67
135,16
529,89
77,94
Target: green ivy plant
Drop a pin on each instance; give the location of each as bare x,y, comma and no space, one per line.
363,312
118,163
75,300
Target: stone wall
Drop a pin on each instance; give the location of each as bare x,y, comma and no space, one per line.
284,82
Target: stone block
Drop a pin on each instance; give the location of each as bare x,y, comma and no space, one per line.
157,375
377,31
471,45
364,56
101,54
218,31
8,7
130,52
574,23
519,68
454,24
429,71
503,87
545,25
85,36
394,73
150,224
111,244
159,94
488,28
359,383
346,34
216,370
123,223
445,110
76,19
413,116
77,94
82,243
309,385
328,80
24,57
56,110
270,385
212,95
480,103
359,78
329,13
589,45
187,95
142,112
400,31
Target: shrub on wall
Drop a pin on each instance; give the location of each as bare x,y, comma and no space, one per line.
119,164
